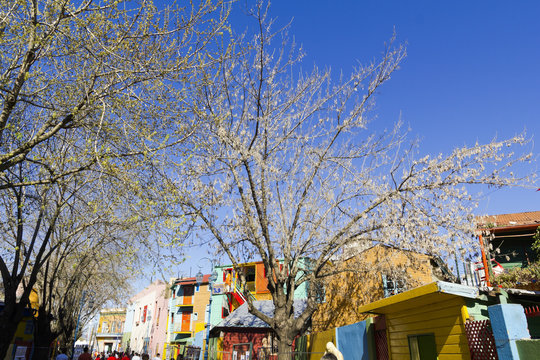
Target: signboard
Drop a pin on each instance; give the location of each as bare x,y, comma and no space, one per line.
218,289
78,351
20,353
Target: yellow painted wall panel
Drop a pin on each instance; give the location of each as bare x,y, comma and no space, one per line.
445,322
458,339
443,319
317,343
464,356
455,302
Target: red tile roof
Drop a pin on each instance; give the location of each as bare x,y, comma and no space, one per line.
505,220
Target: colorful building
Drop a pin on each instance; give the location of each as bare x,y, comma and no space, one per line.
187,315
374,273
245,335
448,321
227,294
23,340
110,329
149,325
507,240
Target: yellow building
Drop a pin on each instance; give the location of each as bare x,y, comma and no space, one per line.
426,321
375,273
109,331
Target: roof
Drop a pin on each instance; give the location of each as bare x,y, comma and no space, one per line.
192,280
507,220
420,296
242,318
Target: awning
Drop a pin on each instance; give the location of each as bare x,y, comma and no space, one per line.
420,296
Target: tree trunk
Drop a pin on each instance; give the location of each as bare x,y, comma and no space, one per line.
285,349
43,335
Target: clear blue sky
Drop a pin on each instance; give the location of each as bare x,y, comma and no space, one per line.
472,72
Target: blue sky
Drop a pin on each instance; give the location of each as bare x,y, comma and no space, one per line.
472,71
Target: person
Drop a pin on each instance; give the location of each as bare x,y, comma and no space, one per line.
85,355
329,356
157,357
136,357
332,353
111,356
126,356
62,355
145,356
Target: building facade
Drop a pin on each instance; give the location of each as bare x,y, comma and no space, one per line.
110,329
227,295
148,310
188,315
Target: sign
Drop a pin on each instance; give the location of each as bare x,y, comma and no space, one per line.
218,289
78,351
20,353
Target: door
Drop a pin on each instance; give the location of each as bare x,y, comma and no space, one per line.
186,321
188,294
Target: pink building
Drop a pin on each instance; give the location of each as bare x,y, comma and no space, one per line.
149,321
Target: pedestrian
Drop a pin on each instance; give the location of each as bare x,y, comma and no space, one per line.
98,357
111,356
157,357
125,357
145,356
85,355
62,355
136,357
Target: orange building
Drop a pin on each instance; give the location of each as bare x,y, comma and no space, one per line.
375,273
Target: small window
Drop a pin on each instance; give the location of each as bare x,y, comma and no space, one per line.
393,286
197,288
422,347
195,316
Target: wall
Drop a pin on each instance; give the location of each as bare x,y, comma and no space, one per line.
153,297
254,336
442,318
528,349
317,343
347,291
352,341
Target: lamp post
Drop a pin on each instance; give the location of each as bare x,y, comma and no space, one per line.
81,305
211,280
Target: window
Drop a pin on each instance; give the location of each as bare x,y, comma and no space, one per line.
422,347
172,318
158,315
393,286
143,317
195,316
197,288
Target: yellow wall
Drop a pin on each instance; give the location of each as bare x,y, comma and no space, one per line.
347,291
442,318
317,343
118,317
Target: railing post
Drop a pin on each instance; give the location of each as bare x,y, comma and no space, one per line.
509,324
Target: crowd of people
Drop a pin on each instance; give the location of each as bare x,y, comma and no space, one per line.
115,355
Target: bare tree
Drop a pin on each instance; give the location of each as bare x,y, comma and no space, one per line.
89,91
107,68
285,167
